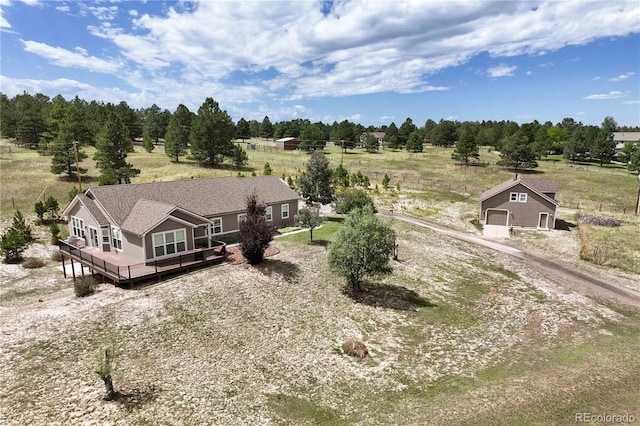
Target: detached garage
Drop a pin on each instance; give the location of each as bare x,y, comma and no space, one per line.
522,203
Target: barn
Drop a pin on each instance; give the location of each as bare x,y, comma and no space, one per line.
287,144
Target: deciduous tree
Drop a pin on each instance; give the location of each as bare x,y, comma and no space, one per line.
517,153
309,218
362,248
350,199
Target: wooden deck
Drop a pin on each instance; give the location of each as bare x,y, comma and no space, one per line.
118,269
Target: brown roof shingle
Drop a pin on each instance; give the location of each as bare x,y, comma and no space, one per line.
205,197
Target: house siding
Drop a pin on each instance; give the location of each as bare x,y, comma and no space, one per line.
167,225
83,213
520,214
132,246
230,221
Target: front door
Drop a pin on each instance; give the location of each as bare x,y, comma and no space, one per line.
544,221
93,237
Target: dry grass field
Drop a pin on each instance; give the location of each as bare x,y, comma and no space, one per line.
458,334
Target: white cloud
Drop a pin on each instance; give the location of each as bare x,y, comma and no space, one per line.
631,102
502,70
357,48
64,8
103,13
623,77
596,78
614,94
248,51
65,58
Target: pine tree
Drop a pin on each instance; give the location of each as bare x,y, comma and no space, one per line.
211,134
111,152
467,147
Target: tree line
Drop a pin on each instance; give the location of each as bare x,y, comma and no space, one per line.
60,128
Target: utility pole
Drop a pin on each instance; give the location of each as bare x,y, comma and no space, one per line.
75,145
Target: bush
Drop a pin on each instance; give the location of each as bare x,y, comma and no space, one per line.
352,198
56,256
255,232
55,233
33,263
84,286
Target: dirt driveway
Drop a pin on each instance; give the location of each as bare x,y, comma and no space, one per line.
565,276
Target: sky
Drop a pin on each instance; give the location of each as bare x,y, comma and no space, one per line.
370,62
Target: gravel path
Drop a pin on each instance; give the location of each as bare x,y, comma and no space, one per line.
564,275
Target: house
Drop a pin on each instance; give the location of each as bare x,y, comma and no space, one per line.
164,223
521,202
378,135
621,138
287,144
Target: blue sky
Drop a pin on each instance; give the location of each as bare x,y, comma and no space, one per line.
368,62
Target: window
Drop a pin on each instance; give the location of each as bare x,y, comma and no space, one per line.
241,218
216,226
77,227
166,243
285,211
268,213
117,238
518,197
105,235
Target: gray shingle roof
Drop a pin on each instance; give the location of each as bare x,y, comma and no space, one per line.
93,210
205,197
541,186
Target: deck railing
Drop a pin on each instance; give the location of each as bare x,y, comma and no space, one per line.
138,270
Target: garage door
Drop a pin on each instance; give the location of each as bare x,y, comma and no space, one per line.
497,217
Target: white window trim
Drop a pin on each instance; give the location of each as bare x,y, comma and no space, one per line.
522,197
116,237
212,227
242,217
283,208
513,197
268,213
98,240
106,236
164,243
77,227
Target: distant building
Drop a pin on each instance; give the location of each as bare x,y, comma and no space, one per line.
287,144
378,135
621,138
